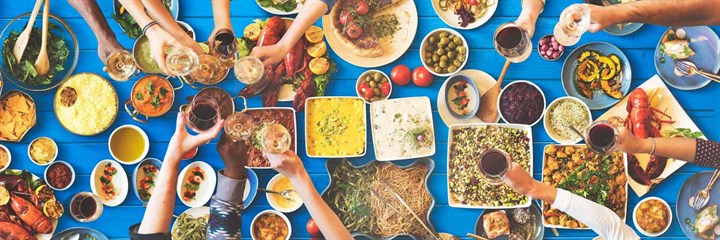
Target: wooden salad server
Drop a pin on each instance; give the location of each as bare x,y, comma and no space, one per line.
488,102
22,40
42,64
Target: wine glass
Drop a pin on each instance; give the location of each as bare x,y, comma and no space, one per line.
574,22
512,42
120,65
225,46
249,70
209,70
601,137
275,138
181,61
202,113
86,207
493,165
239,126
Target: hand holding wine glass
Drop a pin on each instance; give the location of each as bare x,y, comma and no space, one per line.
182,142
234,155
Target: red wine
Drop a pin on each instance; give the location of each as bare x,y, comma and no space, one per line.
203,116
601,135
509,37
88,207
493,163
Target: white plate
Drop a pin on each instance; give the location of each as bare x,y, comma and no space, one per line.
394,48
546,120
274,205
483,81
543,174
120,181
275,11
452,20
294,123
657,234
206,189
426,110
307,139
196,212
522,127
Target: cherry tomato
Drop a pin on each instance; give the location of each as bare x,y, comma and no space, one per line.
354,31
362,7
400,75
385,88
346,17
313,229
422,77
368,93
472,2
362,87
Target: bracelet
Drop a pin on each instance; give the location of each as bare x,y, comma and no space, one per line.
144,29
652,150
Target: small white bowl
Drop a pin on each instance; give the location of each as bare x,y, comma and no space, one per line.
357,84
670,217
72,175
422,51
548,128
120,181
531,84
145,138
51,160
9,157
271,200
206,189
287,222
189,28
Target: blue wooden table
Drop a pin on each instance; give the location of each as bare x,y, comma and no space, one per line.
84,152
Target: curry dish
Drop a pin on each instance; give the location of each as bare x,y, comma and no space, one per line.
335,127
152,96
652,216
601,179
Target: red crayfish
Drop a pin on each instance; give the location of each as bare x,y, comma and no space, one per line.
644,121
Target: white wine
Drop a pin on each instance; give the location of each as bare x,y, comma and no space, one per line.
239,126
574,22
249,70
120,65
182,61
275,138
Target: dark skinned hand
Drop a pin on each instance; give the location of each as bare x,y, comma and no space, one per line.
234,155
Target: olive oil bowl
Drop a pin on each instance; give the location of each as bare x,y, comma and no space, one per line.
128,144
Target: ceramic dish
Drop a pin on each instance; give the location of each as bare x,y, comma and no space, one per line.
256,159
195,212
359,117
146,144
272,186
275,11
392,120
72,175
534,224
482,80
451,19
544,101
548,125
600,100
706,45
251,186
9,158
451,169
669,217
139,175
255,219
546,41
206,186
94,108
63,31
81,232
683,211
136,112
32,114
426,43
52,159
119,181
361,80
472,94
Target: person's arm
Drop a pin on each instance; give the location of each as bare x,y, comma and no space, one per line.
227,204
697,151
159,211
157,36
289,165
531,9
659,12
310,12
159,12
600,219
221,17
90,11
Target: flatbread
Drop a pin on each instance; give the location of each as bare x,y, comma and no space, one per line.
368,45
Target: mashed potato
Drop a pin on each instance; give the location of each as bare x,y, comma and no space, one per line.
86,104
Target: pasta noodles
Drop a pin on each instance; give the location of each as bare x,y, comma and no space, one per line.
189,228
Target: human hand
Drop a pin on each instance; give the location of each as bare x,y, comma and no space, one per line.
527,23
234,155
182,142
600,18
160,40
108,46
629,143
270,54
519,180
288,164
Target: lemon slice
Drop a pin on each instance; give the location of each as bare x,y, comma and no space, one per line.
314,34
319,66
53,209
4,196
44,193
252,32
317,50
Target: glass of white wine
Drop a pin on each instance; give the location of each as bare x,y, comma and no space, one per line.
209,71
275,138
181,61
574,22
120,65
239,126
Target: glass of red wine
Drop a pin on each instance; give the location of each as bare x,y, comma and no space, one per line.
512,42
86,207
601,137
202,113
494,163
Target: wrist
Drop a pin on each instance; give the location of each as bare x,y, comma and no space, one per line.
645,146
235,172
300,177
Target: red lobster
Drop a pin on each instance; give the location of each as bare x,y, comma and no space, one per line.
30,214
644,121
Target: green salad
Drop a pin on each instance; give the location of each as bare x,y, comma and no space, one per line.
287,6
24,71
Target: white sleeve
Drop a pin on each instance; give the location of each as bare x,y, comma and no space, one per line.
599,218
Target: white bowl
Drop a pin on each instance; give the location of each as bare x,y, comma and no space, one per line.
51,160
206,189
516,82
451,19
548,128
271,200
145,138
451,31
9,157
72,175
670,217
357,84
120,180
287,221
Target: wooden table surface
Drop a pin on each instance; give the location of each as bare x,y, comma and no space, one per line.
84,152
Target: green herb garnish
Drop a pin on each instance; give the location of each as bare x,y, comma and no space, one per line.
24,71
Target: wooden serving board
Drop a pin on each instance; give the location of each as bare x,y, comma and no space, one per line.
672,107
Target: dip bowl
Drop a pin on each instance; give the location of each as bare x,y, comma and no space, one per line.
473,94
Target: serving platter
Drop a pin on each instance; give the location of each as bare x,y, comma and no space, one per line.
120,181
706,44
671,107
54,222
393,48
308,122
482,80
275,11
84,233
148,161
293,133
205,189
195,212
451,19
58,101
385,108
683,210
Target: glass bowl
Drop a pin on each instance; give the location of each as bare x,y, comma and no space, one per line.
63,31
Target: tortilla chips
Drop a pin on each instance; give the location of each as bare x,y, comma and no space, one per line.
17,116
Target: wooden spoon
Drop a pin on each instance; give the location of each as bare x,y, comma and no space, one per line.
22,40
42,64
488,102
